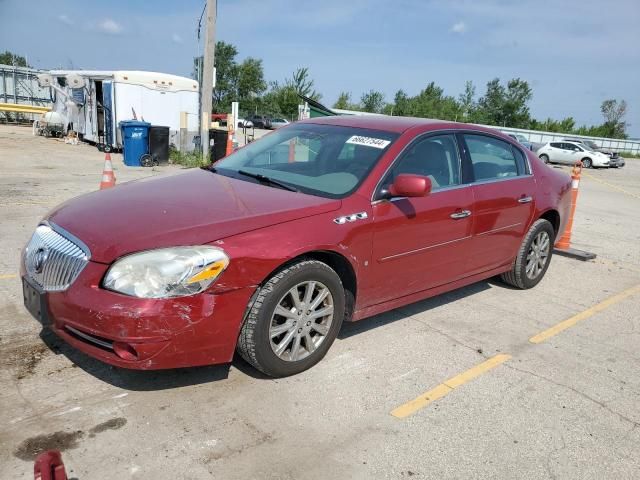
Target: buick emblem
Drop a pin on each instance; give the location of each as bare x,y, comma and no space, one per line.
39,259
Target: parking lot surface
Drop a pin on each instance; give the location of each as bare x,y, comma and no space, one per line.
452,387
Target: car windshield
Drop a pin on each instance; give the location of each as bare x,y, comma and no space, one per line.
591,145
324,160
521,138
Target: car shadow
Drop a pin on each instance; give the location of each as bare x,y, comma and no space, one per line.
350,329
156,380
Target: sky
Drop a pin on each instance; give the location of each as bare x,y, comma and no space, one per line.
574,53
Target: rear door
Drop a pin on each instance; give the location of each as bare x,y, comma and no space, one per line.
420,243
503,191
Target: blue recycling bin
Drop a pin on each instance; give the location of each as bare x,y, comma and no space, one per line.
135,141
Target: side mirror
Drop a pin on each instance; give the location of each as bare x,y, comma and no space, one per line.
409,185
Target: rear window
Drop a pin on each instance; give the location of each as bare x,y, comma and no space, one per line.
491,158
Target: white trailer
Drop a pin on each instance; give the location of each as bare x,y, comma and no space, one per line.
93,103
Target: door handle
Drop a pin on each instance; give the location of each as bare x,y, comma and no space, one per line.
525,199
460,214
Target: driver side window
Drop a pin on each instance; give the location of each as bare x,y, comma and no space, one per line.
435,157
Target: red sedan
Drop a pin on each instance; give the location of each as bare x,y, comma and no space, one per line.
269,251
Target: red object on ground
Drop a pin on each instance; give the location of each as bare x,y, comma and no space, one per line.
394,252
564,243
49,466
108,177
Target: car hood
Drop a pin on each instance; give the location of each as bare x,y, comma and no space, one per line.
193,208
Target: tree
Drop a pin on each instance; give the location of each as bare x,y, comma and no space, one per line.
343,102
226,76
506,107
401,104
235,82
8,58
372,101
467,100
613,113
302,84
250,83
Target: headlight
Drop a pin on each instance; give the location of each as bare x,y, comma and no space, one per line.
166,272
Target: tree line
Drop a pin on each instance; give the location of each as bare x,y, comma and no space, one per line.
502,104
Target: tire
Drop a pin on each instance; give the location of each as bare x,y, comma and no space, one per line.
146,160
587,163
106,148
518,276
259,340
544,158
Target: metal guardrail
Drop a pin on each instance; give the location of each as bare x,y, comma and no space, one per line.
538,137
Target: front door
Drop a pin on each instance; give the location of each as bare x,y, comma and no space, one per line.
420,243
503,193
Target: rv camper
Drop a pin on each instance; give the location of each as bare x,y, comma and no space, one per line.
93,103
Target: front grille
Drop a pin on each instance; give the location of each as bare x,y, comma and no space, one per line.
54,261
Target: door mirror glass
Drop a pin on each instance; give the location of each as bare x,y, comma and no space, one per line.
408,185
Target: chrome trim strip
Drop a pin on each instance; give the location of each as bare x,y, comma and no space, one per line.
89,338
498,180
411,252
498,229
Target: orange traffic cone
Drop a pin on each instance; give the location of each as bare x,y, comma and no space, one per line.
563,245
229,143
108,177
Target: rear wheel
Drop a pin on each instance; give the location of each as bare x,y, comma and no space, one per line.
293,320
544,158
534,256
587,163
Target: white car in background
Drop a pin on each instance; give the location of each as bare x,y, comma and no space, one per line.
279,122
570,152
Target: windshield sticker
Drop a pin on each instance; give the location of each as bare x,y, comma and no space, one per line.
368,142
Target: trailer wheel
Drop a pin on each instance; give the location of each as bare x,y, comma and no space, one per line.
146,160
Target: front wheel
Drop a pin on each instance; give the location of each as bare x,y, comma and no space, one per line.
587,163
294,319
533,258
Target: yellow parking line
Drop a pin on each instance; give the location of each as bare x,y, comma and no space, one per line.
570,322
444,388
611,185
8,275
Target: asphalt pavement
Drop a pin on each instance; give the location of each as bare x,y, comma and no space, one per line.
451,387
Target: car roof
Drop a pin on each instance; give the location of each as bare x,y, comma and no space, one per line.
398,124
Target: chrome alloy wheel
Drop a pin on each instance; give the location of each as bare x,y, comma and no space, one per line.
538,255
301,321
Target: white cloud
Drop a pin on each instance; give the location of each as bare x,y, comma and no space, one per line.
109,26
65,19
459,27
176,38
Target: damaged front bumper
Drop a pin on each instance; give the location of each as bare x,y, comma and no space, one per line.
146,334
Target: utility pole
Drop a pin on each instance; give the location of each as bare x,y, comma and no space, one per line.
206,89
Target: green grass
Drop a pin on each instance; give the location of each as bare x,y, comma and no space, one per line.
188,159
629,155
